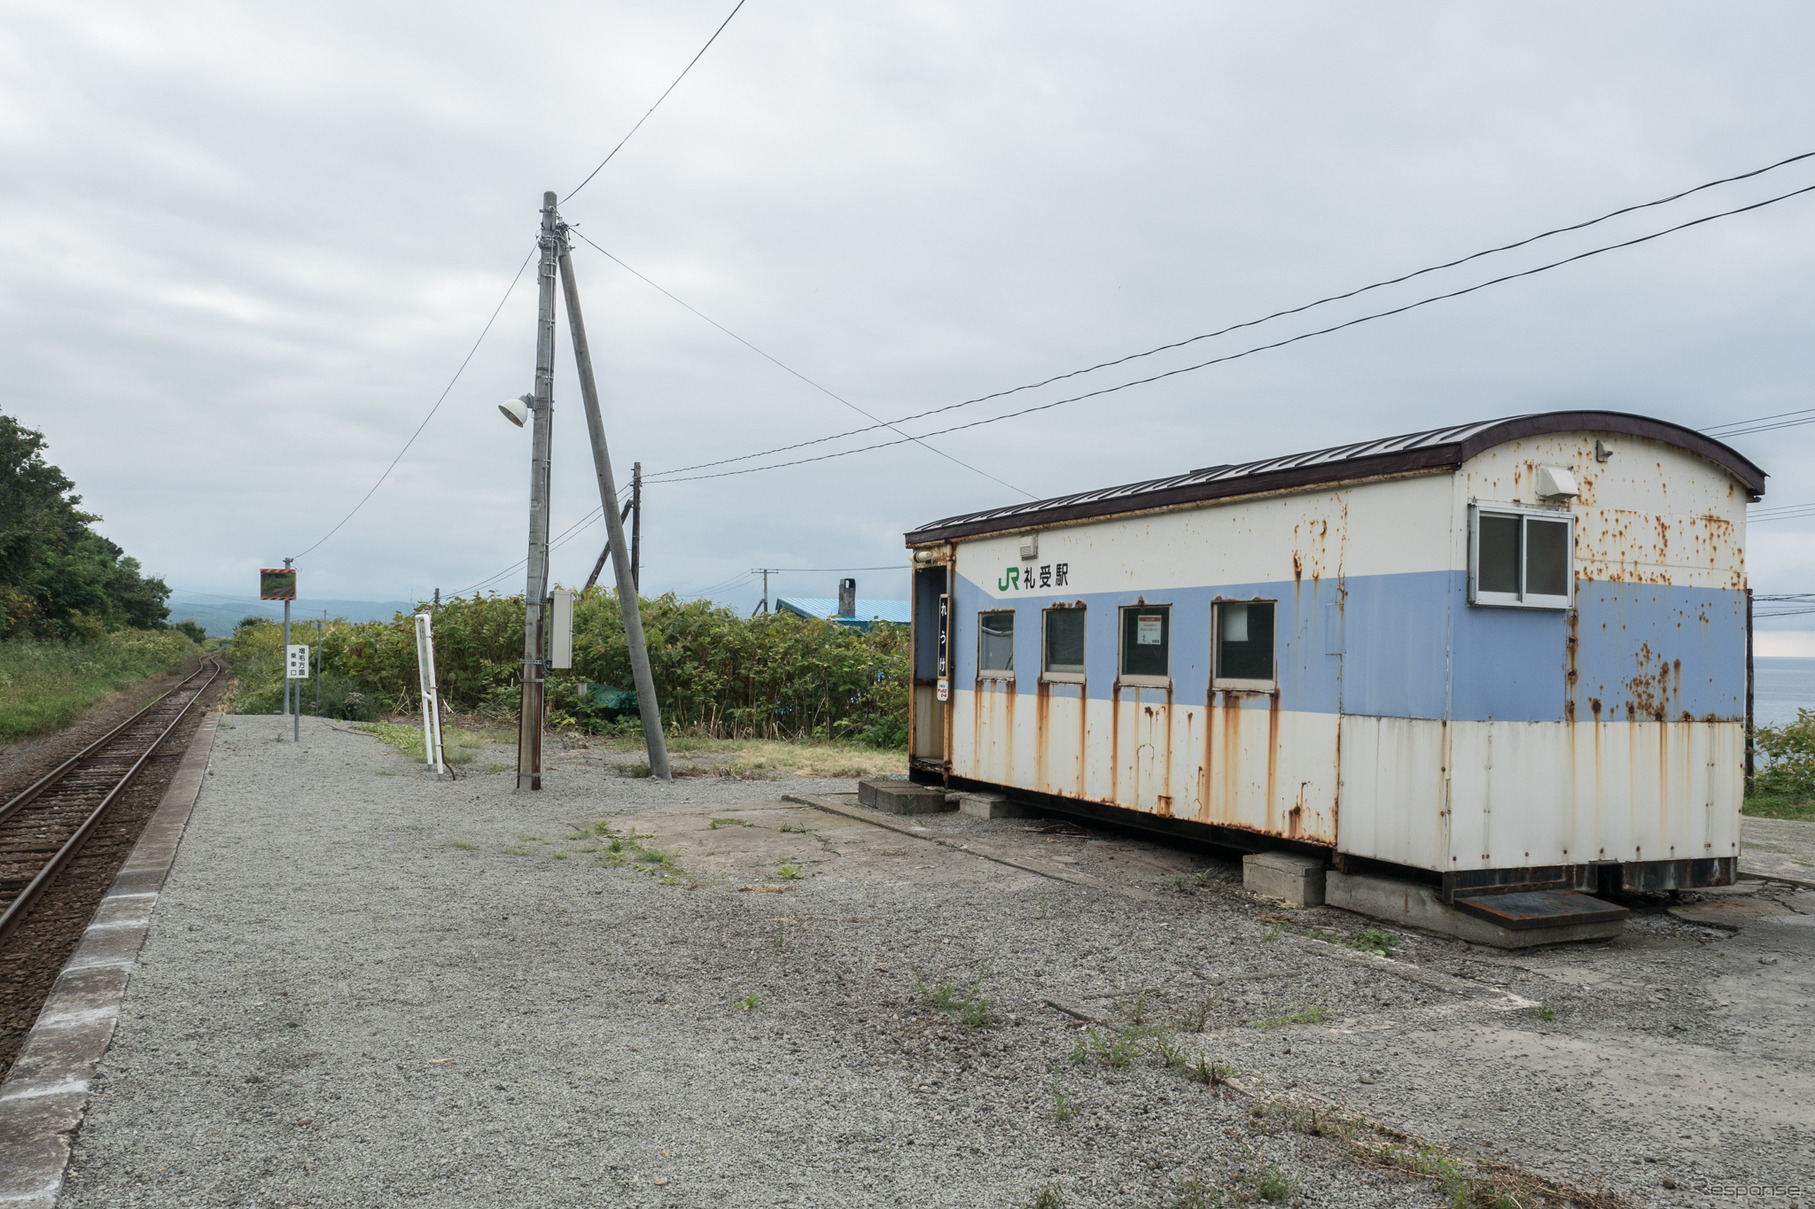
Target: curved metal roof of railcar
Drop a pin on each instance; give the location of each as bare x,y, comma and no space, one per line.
1434,449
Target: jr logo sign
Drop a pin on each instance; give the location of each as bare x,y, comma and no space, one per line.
1026,579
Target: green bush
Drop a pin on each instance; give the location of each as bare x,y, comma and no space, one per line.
1789,751
716,673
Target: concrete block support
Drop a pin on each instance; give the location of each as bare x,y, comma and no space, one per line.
1297,879
902,797
993,806
1417,906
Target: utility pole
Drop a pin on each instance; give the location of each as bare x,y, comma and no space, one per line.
614,522
318,629
636,525
606,552
764,572
529,726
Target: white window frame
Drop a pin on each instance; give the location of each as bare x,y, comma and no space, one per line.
1053,677
1234,683
1520,599
995,673
1135,679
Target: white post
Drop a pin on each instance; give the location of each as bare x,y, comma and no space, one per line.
431,700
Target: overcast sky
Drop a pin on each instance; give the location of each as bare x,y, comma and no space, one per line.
244,248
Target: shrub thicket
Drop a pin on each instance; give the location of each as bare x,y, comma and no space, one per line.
1789,751
716,673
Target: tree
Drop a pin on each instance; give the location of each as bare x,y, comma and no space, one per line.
58,577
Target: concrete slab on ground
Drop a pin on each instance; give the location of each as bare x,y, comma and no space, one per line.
1417,906
1782,849
903,797
1288,876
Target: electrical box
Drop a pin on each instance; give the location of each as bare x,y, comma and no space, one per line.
560,629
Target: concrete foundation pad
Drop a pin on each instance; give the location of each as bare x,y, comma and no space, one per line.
902,797
1417,906
1297,879
993,806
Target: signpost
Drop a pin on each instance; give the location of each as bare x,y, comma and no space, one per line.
279,583
431,698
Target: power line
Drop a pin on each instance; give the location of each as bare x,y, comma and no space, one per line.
1404,277
829,393
1248,352
1741,428
438,402
658,101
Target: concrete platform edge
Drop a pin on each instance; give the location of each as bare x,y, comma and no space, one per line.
45,1095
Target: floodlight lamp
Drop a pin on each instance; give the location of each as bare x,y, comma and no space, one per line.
517,410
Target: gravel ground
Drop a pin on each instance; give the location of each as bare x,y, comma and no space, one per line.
365,987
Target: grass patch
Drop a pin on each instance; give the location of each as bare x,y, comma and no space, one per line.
1544,1011
464,845
1372,940
495,766
750,1002
1304,1015
457,746
1111,1049
1797,806
770,759
1047,1196
44,685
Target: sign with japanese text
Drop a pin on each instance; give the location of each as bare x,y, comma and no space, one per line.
1033,579
1149,629
296,661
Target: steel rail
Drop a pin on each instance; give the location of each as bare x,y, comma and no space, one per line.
16,910
62,770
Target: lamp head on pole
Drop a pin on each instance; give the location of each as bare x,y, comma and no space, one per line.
517,410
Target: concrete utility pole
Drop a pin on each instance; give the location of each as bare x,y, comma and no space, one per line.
614,523
636,524
529,728
764,572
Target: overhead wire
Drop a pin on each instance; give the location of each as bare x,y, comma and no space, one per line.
827,391
1248,352
1295,310
465,361
658,101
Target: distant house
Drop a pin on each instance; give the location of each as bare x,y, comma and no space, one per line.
866,612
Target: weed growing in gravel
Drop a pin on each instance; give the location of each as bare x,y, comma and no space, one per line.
1466,1184
781,934
1195,1017
715,824
495,766
1170,1054
1116,1051
750,1002
1304,1015
1374,941
1193,1193
788,873
1212,1074
1544,1011
969,1005
1133,1009
1267,1183
465,845
1047,1196
1063,1109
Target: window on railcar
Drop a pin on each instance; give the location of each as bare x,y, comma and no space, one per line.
1064,643
1522,557
1244,643
1147,641
996,643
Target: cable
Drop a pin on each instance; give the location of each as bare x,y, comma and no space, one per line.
658,101
1253,322
438,402
1248,352
1741,428
790,369
900,566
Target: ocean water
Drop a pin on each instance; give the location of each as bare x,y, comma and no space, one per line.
1780,687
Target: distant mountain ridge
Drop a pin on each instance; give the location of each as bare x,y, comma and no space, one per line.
219,614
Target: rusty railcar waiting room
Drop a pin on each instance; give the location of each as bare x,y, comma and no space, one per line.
1510,653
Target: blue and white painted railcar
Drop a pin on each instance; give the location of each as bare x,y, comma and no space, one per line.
1506,653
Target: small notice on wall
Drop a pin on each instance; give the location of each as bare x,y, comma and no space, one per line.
1147,628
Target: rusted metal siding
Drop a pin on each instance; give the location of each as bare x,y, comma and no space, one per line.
1404,723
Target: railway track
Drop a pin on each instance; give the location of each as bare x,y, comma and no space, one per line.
43,829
